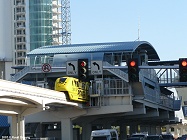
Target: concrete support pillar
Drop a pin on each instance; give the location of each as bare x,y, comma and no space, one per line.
14,126
167,129
185,128
153,129
21,121
66,129
123,132
176,134
133,129
143,128
18,127
86,131
182,130
158,130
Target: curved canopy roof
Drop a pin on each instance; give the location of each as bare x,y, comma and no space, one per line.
98,47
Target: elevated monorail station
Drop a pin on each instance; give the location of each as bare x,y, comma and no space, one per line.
114,101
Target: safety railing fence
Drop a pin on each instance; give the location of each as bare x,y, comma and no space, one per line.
154,94
104,88
20,74
109,87
159,98
149,74
34,69
168,75
121,74
151,94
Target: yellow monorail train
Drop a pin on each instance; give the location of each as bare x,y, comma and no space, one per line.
74,89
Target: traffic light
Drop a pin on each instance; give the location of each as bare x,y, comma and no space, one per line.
183,69
83,70
133,70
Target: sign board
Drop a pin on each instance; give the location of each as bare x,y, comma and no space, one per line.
96,67
71,68
46,67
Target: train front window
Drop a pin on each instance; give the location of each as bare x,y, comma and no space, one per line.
62,80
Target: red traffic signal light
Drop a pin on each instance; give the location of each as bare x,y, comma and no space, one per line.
133,70
184,63
183,69
83,63
83,69
132,63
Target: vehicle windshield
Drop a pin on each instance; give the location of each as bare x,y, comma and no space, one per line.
100,138
167,137
138,136
135,138
62,80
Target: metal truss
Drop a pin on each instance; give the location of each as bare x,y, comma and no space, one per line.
66,22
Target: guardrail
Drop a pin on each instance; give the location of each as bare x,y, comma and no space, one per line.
121,74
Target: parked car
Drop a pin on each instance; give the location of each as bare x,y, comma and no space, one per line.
167,137
183,137
105,134
139,135
154,137
135,138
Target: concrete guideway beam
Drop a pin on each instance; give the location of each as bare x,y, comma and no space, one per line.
20,100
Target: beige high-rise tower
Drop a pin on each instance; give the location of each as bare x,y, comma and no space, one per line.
27,25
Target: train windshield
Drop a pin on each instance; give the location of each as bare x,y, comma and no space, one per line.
61,80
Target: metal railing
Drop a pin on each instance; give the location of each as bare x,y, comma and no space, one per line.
34,69
119,73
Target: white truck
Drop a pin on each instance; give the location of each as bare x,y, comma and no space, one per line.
105,134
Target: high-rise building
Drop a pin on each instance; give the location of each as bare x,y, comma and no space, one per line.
36,23
27,25
6,39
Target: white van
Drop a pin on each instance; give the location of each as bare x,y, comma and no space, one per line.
105,134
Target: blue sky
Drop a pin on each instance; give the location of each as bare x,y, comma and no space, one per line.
163,23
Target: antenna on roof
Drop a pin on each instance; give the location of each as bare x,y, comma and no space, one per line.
138,39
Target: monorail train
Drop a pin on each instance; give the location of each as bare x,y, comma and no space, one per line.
74,89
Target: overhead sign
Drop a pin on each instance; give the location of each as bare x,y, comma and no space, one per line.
46,67
96,67
71,68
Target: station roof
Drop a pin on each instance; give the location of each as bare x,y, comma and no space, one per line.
98,47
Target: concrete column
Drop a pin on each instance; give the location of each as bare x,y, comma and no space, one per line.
133,129
167,129
153,129
158,130
21,121
143,128
123,132
66,129
182,130
86,131
185,128
14,126
175,131
18,127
